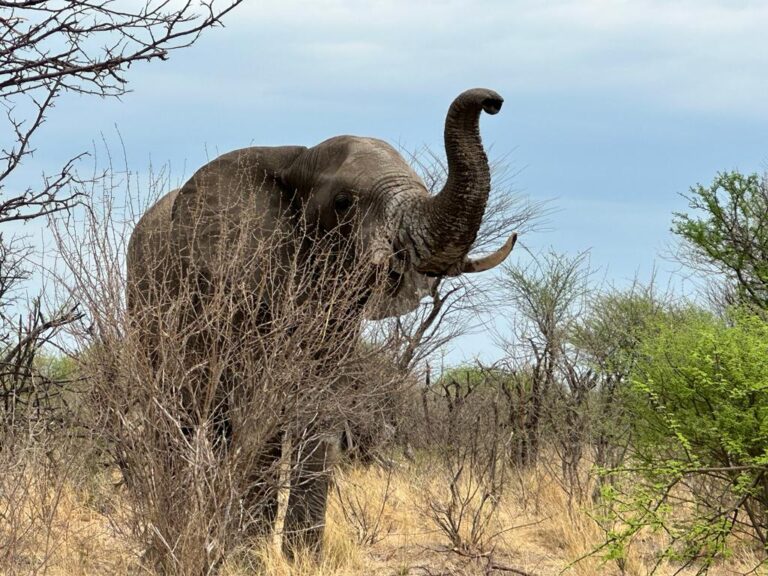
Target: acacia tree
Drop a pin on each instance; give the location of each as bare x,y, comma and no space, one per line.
48,49
728,234
546,296
609,338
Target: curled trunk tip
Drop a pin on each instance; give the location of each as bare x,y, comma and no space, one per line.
482,98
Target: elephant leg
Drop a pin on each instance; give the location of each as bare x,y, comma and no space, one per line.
310,480
261,496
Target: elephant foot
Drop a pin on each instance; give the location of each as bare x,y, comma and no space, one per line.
307,542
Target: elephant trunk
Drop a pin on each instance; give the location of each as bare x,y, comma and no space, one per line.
448,222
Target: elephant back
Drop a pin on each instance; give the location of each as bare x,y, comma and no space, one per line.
225,216
150,261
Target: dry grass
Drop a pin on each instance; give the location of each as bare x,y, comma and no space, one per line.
62,528
49,525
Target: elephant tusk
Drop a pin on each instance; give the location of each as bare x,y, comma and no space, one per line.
470,265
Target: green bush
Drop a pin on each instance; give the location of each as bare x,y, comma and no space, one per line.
702,390
699,394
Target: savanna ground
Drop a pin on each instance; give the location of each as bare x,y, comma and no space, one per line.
70,522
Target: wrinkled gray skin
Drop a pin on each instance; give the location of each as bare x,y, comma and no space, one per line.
409,235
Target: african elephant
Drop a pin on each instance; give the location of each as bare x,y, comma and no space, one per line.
407,236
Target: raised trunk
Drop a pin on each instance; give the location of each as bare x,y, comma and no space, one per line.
447,223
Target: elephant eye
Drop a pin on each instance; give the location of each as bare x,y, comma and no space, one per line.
343,202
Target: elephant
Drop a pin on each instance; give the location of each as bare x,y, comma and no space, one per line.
403,234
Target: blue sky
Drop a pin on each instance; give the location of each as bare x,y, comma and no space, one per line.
612,108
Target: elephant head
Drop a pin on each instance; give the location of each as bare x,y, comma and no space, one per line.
364,189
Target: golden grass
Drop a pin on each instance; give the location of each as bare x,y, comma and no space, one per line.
58,529
48,526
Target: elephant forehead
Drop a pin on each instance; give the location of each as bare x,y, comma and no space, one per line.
369,163
382,153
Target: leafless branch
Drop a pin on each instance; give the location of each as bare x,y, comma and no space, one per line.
49,48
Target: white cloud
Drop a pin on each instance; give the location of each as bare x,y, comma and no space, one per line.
689,54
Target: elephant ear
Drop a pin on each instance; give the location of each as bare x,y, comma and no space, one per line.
308,171
237,192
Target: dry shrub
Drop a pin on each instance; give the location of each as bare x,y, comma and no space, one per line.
194,407
463,478
364,504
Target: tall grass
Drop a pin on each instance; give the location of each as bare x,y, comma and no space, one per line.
61,525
